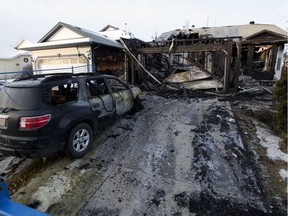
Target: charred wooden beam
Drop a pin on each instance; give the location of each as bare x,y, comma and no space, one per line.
138,62
238,62
250,60
179,49
226,71
274,56
186,45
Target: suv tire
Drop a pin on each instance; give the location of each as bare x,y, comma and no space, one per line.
79,140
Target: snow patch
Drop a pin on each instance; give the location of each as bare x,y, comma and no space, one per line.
8,163
284,174
58,185
52,191
4,164
271,143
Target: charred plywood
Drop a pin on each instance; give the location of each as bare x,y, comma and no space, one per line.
110,61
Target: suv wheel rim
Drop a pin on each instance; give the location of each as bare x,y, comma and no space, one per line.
81,140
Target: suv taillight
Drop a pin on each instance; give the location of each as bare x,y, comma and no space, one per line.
34,122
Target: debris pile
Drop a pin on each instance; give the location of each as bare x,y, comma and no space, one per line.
176,71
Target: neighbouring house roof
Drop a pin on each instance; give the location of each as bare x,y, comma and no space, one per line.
244,31
78,36
115,33
109,28
16,56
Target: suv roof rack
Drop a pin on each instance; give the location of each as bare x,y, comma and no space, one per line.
28,76
35,76
50,76
58,76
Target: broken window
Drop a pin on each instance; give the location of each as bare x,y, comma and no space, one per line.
262,58
116,85
61,94
96,87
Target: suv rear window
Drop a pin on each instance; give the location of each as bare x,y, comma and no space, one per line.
23,99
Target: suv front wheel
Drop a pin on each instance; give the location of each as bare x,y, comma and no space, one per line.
79,140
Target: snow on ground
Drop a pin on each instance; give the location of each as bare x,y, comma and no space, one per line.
8,164
283,173
271,143
55,187
5,164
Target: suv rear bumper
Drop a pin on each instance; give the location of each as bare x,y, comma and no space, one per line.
28,147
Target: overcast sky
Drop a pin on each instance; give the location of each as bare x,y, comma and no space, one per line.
32,19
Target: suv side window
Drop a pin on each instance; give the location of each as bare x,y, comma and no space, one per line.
116,85
61,94
97,87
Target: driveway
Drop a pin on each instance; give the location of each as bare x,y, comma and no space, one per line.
174,157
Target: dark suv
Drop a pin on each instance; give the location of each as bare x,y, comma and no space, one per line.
45,114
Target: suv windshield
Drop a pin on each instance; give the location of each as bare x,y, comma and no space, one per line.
24,98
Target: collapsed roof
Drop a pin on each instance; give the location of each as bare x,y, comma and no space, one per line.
244,31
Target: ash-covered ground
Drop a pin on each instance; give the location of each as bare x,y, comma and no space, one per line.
179,155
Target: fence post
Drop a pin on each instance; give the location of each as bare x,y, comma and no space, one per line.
72,68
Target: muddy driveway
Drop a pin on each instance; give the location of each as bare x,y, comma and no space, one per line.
174,157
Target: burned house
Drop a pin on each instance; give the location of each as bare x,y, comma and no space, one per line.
68,48
219,56
195,58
